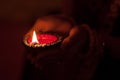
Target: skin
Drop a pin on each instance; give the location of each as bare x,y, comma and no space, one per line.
64,28
63,55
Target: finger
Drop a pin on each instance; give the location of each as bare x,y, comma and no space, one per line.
77,37
52,24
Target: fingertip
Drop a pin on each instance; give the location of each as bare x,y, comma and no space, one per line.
65,44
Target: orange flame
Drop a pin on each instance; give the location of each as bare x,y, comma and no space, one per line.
34,38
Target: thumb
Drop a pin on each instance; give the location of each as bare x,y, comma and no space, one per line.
77,36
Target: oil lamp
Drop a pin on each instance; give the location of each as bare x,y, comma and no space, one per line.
42,40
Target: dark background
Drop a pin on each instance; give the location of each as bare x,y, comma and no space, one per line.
11,50
16,18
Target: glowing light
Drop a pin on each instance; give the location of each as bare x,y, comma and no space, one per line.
34,38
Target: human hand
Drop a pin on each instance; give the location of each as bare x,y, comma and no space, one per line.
70,50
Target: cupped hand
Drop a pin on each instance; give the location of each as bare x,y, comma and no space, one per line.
70,49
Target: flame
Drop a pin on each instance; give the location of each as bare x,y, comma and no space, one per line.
34,38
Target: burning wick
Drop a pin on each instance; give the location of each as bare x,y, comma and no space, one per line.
34,38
